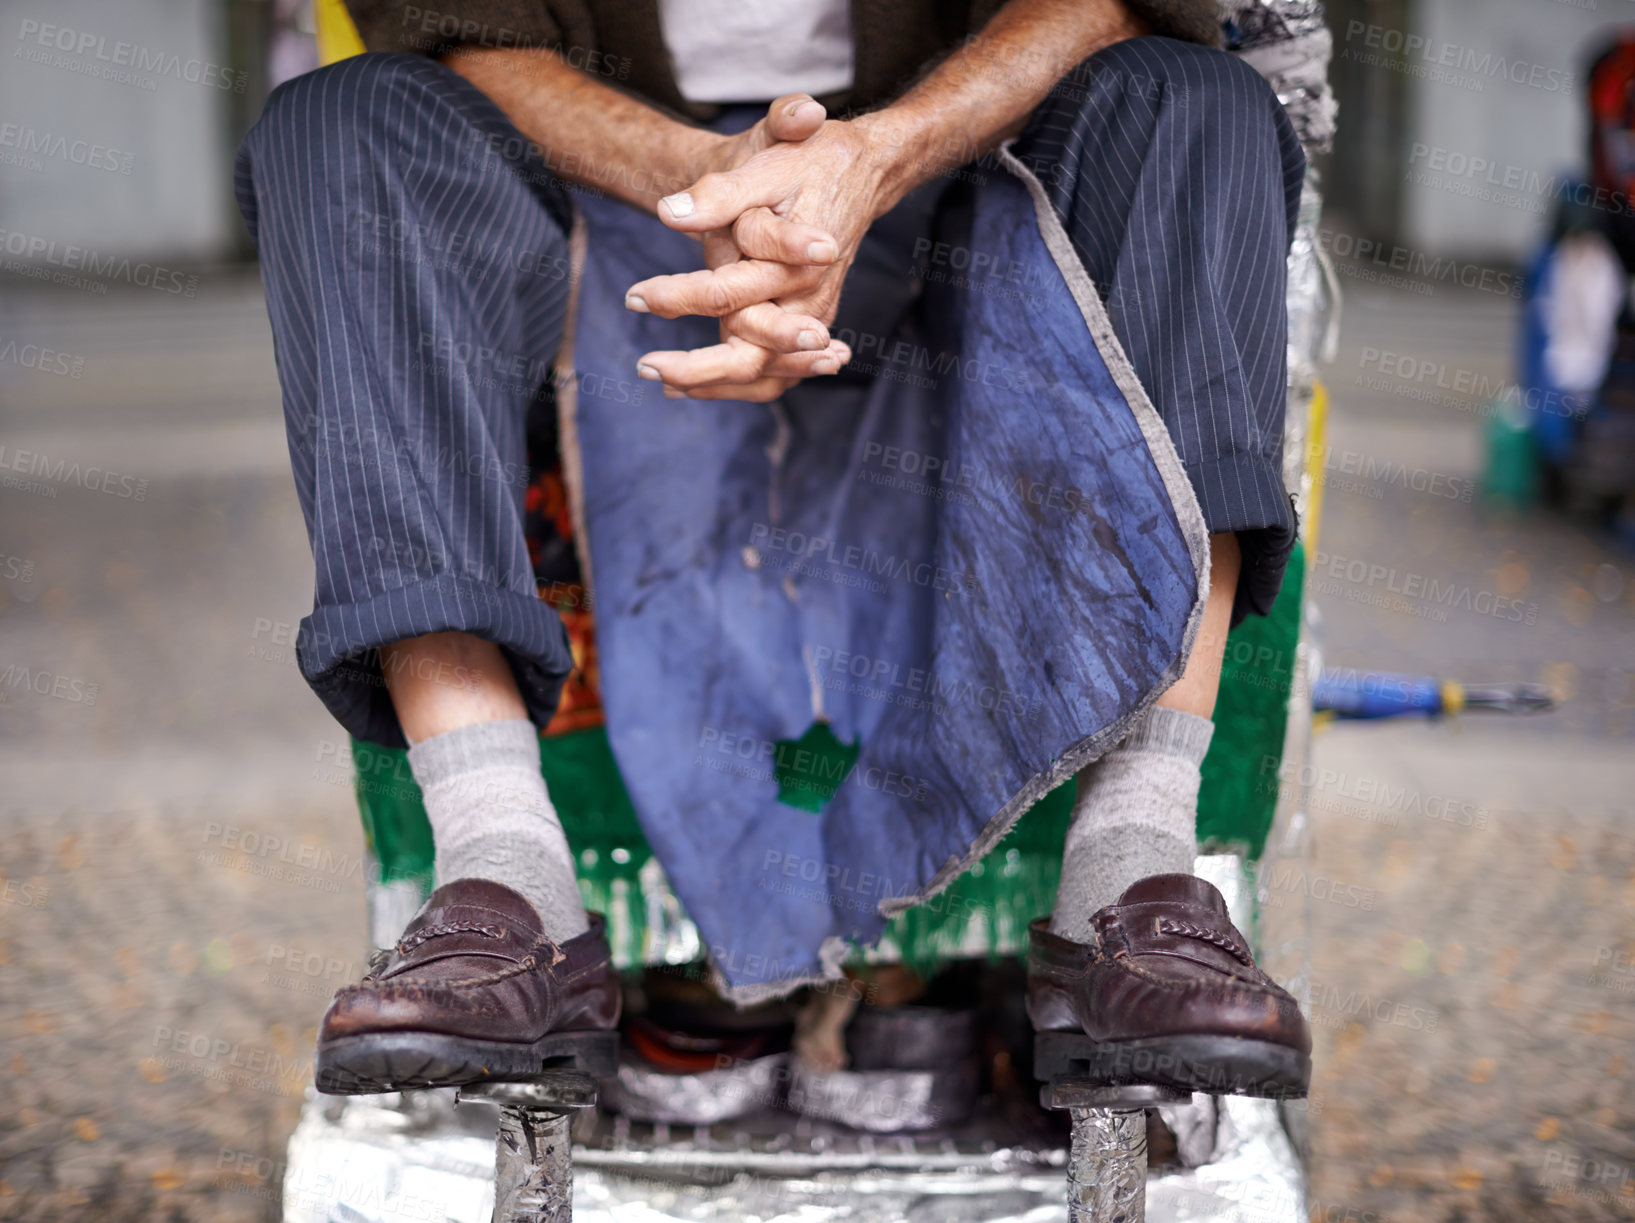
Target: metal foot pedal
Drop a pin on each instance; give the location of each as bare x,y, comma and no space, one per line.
1107,1165
533,1162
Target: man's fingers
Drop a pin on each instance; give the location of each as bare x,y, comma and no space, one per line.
720,290
808,365
735,361
716,200
762,234
762,390
730,362
777,329
794,116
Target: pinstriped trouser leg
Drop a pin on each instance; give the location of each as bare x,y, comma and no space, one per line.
416,268
1177,176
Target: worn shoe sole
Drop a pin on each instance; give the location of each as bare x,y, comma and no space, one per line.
1214,1065
374,1062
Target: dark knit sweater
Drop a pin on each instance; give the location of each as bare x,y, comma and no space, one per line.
620,40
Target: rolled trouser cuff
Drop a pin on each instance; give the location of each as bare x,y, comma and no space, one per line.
339,648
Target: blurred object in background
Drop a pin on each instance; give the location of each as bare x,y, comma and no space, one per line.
1577,358
1351,693
292,47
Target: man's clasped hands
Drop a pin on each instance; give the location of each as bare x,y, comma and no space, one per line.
780,210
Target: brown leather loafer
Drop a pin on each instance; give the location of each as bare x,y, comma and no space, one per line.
1167,994
473,991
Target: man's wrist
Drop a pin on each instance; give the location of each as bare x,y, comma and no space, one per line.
901,149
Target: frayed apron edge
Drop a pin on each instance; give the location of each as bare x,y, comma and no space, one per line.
1187,512
831,958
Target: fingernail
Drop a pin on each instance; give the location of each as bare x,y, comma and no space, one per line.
636,302
647,371
810,341
817,106
670,392
826,366
680,204
793,108
822,252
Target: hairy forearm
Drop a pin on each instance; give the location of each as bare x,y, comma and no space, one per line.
590,133
985,90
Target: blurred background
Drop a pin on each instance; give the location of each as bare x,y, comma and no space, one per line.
179,844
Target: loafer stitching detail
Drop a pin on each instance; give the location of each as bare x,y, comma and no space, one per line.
427,933
1130,965
1168,925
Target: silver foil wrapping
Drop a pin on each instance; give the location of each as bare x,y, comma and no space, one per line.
359,1159
1289,43
706,1098
1107,1167
886,1101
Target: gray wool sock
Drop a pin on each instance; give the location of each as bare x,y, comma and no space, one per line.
1136,815
492,819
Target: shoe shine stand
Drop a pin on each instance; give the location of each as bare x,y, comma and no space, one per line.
1107,1163
533,1159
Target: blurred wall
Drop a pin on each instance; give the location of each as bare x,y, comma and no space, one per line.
116,130
118,121
1459,117
1526,121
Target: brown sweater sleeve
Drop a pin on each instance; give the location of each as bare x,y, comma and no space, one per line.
433,27
1188,20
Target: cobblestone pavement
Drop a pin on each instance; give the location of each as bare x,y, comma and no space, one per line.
180,854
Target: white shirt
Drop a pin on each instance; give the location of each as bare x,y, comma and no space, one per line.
757,50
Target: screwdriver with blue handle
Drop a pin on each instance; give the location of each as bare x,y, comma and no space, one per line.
1350,693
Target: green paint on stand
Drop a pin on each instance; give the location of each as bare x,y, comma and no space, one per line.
1241,772
394,819
811,768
